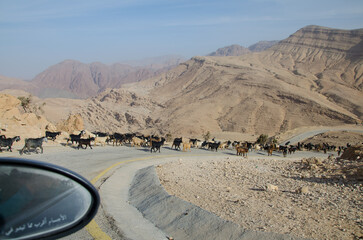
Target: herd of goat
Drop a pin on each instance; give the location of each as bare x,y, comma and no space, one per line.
155,143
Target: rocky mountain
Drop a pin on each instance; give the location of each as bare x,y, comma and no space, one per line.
157,62
314,77
262,46
233,50
73,79
237,50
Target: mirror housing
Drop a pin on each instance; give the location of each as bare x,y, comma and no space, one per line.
42,200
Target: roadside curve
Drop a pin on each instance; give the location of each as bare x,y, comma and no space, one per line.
114,199
120,205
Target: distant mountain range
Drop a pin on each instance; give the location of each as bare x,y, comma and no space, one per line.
74,79
237,50
86,80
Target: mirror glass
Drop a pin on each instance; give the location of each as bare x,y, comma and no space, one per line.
36,202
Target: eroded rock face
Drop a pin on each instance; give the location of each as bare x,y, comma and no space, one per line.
73,123
119,110
8,102
333,41
14,122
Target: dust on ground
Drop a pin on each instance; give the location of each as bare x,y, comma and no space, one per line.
312,198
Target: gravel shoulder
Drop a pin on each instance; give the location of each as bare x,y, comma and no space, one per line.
304,203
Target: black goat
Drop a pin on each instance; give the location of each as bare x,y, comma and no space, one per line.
194,141
52,135
117,138
129,136
85,141
176,143
8,142
156,145
75,137
204,144
214,145
101,134
33,143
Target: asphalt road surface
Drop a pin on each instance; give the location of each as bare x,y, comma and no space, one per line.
301,137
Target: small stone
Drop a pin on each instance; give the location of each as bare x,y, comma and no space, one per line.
318,161
303,190
271,188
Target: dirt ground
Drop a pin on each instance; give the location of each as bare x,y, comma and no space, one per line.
305,204
307,197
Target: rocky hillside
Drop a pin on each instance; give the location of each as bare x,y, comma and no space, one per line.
15,122
331,58
312,78
118,110
114,110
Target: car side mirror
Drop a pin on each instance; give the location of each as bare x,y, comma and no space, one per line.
42,200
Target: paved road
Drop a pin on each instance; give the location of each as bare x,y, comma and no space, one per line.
90,163
301,137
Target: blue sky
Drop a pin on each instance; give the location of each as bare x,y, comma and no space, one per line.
35,34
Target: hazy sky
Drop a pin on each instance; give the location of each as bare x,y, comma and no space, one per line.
35,34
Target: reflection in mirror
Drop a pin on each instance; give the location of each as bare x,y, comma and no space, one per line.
35,202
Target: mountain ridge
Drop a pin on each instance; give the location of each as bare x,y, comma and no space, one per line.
237,50
87,80
74,79
297,82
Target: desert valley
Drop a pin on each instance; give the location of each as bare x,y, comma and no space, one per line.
312,78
